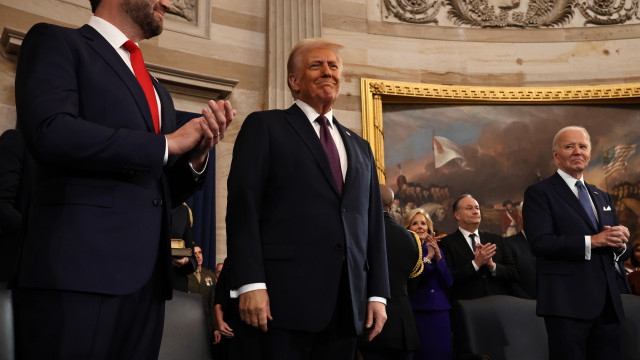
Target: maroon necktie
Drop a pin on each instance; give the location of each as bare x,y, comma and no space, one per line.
145,81
332,151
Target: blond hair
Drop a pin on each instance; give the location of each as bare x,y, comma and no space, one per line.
305,45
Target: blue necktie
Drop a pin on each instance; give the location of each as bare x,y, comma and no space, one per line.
583,195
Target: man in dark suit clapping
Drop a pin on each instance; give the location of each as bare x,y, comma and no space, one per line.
110,163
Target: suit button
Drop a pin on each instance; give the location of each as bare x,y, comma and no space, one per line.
157,202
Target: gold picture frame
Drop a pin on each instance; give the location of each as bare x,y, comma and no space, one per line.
376,92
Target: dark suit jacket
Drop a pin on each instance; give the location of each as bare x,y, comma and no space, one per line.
556,224
525,262
399,332
289,227
471,284
100,211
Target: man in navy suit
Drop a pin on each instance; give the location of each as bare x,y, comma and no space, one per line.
96,266
574,233
305,230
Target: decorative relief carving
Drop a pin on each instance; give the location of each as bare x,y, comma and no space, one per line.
185,9
514,13
415,11
607,12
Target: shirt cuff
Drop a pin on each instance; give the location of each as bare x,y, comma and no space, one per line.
196,174
378,299
166,152
474,265
246,288
616,256
587,247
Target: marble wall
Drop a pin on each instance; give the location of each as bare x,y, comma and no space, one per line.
237,38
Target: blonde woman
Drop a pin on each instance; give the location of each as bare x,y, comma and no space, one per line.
429,302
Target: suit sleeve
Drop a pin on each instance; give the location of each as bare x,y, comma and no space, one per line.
506,269
378,278
49,102
539,224
245,184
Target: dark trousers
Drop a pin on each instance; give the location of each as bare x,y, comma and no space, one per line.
576,339
336,342
53,324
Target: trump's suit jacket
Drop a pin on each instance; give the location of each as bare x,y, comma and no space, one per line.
469,283
99,218
289,227
556,224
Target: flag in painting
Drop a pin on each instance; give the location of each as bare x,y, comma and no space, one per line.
445,150
615,158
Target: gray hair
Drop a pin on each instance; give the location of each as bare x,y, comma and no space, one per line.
554,146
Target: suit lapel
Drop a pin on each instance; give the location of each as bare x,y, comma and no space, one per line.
598,203
299,122
566,194
111,57
349,146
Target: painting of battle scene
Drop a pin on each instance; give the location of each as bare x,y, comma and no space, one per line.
434,153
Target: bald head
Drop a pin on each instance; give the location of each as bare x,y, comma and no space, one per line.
387,197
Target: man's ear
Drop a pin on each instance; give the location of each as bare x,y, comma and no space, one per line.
293,82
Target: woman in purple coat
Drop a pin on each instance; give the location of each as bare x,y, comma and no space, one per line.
429,302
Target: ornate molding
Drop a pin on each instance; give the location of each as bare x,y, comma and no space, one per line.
514,13
175,80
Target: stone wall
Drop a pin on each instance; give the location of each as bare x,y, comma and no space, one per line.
247,40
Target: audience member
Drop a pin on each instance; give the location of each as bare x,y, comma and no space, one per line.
575,236
399,337
480,263
429,301
218,269
203,281
181,223
111,163
315,279
525,263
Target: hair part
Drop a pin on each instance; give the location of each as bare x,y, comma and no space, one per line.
302,47
554,145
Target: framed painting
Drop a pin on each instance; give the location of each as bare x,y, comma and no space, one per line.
433,143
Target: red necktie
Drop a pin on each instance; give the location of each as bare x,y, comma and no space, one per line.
145,81
332,151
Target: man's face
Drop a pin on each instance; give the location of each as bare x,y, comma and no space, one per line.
317,78
468,213
147,14
198,253
218,270
573,152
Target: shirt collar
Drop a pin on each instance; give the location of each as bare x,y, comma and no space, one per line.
312,114
570,180
112,34
466,233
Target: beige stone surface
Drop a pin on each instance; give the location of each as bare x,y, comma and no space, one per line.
237,47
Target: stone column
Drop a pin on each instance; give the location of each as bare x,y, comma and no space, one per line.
289,21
